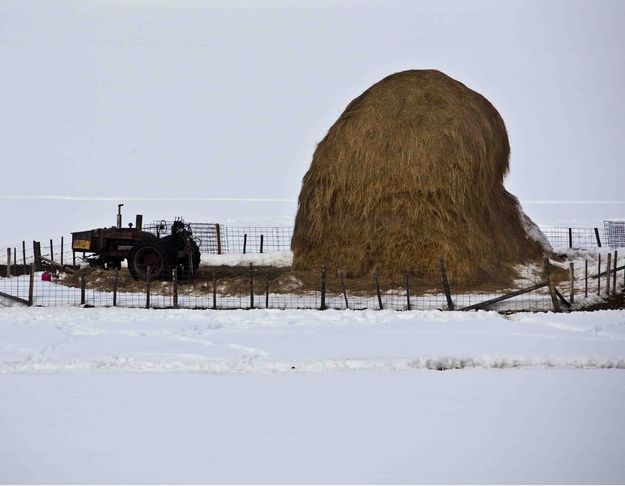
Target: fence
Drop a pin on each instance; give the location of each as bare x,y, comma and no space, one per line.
216,238
574,285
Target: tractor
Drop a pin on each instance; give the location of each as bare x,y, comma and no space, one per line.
150,256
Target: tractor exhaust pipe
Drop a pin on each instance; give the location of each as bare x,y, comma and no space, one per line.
139,222
119,216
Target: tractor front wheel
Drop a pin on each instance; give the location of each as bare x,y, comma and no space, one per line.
146,260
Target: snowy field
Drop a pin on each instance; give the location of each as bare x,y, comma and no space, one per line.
129,395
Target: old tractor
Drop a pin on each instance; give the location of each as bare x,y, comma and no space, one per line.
149,256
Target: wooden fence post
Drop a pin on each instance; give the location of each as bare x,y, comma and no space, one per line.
251,282
147,288
572,282
570,238
377,290
15,261
82,290
8,262
552,288
51,250
73,258
24,255
37,255
344,290
585,278
323,287
450,303
614,273
62,250
115,284
262,240
599,275
267,290
31,285
597,237
408,307
607,274
174,285
244,243
214,289
218,234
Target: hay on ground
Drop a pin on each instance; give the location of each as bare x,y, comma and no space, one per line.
411,170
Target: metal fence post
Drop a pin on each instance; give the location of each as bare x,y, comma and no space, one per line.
450,303
174,284
377,290
323,287
115,282
31,285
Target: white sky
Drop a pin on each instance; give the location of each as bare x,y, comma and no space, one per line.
226,99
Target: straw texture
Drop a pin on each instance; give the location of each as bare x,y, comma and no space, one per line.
413,169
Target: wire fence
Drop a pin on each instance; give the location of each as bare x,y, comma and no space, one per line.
282,290
214,238
577,284
220,239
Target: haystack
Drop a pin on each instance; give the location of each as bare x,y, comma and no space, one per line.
413,169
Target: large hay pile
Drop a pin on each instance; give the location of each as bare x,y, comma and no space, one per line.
413,169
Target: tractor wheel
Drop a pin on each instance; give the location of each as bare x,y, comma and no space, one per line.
146,260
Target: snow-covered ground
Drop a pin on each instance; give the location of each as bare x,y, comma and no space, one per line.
129,395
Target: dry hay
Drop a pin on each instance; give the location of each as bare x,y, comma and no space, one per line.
411,170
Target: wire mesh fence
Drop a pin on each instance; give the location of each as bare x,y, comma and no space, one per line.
217,238
576,283
213,238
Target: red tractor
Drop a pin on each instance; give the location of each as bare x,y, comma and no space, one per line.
149,256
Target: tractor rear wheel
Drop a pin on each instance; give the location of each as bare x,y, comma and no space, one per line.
146,260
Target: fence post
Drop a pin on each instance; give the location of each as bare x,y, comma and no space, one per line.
62,250
585,278
115,283
377,290
267,290
344,290
408,307
450,303
570,238
82,290
24,255
147,288
244,243
15,261
552,288
572,282
174,284
614,273
599,275
218,234
607,274
73,258
37,255
262,239
597,237
323,287
51,250
8,262
214,290
31,285
251,282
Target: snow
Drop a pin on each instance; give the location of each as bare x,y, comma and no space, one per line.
276,259
132,395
